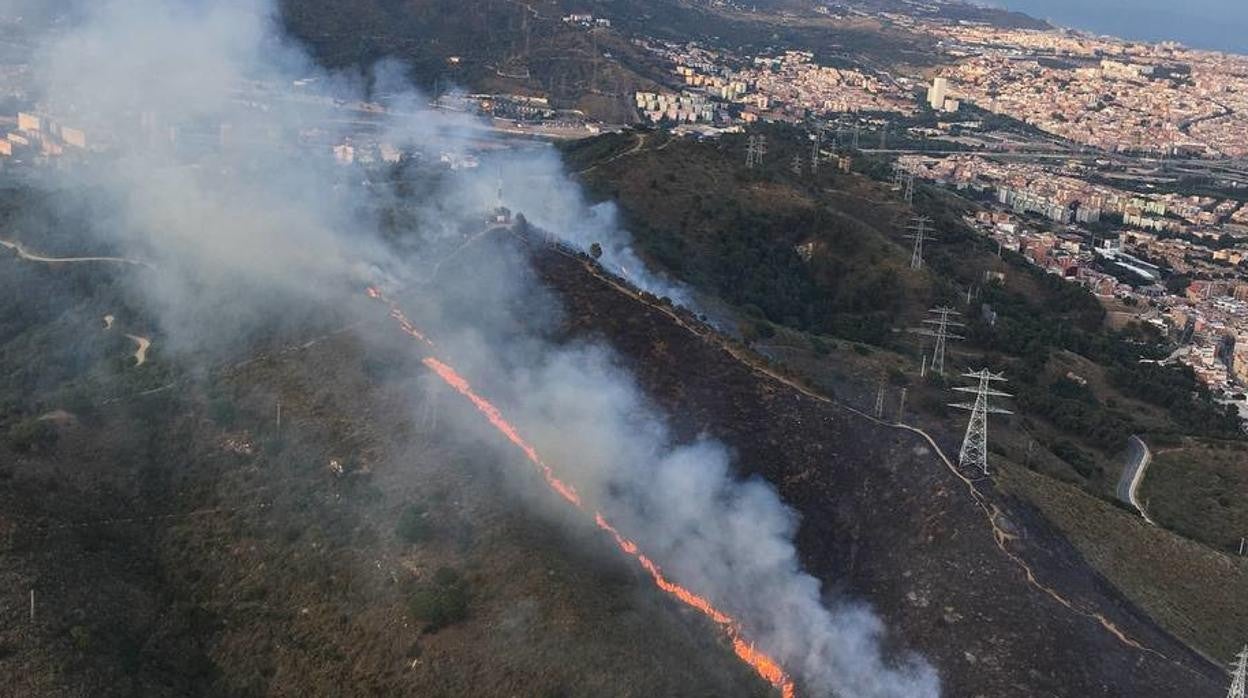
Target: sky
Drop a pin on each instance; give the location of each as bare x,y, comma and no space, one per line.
1212,24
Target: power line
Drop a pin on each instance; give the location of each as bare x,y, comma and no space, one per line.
974,453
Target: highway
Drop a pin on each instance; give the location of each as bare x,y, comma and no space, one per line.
1138,458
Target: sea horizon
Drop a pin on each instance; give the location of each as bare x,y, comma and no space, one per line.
1215,25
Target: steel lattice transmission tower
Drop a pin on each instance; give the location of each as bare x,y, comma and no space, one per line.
899,176
755,149
920,233
938,327
1239,675
974,453
903,182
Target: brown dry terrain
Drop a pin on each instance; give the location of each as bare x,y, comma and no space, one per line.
178,544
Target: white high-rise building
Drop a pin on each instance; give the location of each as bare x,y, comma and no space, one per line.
937,92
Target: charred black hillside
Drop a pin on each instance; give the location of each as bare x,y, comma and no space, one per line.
979,583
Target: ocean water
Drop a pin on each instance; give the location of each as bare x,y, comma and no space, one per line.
1211,24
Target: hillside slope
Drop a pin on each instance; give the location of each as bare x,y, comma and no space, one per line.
976,580
178,543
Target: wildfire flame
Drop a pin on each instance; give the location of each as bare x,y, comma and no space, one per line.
763,665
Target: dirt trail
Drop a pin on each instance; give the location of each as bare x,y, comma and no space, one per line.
33,257
637,146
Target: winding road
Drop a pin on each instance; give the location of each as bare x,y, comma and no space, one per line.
1138,458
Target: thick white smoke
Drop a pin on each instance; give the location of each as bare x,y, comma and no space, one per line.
220,176
730,540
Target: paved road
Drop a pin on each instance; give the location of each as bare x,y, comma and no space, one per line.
1138,458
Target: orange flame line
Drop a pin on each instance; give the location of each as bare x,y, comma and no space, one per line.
762,664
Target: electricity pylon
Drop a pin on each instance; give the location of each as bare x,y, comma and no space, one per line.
939,328
1239,675
974,453
755,149
918,233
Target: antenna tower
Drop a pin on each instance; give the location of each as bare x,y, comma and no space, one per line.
974,453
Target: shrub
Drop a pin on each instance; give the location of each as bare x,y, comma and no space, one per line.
442,601
32,435
223,412
413,526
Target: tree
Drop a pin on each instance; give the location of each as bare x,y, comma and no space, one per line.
595,250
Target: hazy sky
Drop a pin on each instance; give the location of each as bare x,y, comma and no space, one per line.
1214,24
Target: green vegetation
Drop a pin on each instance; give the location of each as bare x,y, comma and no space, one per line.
414,526
802,251
441,601
32,435
1197,489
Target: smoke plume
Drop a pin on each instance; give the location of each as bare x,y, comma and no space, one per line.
218,169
